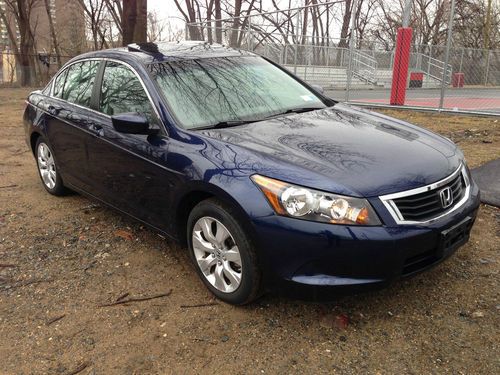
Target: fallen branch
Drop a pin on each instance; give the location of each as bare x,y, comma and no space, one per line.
79,369
29,282
57,318
20,152
89,207
26,283
138,299
122,297
88,266
199,305
11,164
8,265
8,186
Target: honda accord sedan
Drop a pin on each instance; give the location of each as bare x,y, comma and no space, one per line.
270,184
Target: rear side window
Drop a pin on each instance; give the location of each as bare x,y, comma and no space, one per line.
79,82
122,92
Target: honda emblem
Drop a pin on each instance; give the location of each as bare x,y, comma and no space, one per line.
446,197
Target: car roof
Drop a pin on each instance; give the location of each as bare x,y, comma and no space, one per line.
147,53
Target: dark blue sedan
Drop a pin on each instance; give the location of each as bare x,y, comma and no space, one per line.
267,181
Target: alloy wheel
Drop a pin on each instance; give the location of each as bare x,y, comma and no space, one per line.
217,254
46,165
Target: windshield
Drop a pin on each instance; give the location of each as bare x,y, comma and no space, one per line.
210,91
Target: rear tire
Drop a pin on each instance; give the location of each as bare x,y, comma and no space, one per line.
47,168
222,253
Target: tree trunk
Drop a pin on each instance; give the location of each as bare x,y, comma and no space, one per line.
26,45
53,33
134,21
236,24
346,20
218,24
209,21
13,44
10,32
344,31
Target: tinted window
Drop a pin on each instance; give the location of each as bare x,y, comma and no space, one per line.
122,92
59,84
79,82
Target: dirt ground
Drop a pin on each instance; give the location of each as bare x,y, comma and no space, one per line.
61,259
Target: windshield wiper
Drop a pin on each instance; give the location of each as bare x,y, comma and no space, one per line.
225,124
228,124
301,110
294,110
231,123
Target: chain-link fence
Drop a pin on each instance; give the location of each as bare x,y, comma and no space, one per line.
41,68
349,69
469,81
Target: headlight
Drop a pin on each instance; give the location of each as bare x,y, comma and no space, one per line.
300,202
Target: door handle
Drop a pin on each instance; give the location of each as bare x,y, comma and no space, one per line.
96,129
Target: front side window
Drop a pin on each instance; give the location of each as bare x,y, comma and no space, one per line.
207,91
122,92
79,82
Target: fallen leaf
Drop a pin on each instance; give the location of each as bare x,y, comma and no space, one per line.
477,314
124,234
340,321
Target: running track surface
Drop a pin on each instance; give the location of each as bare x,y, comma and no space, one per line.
458,102
472,99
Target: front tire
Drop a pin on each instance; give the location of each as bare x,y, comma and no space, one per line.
47,168
222,253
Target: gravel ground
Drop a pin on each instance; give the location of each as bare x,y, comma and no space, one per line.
62,259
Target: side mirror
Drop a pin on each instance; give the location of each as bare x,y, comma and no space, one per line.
131,123
318,89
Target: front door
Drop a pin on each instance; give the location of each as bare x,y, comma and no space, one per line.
128,170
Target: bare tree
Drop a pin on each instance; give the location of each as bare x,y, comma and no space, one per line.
376,22
346,20
428,20
470,31
10,32
156,29
364,16
95,11
191,14
53,33
24,50
115,10
134,21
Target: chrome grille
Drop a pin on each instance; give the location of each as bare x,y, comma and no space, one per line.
425,204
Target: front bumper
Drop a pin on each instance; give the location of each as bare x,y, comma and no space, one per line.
305,255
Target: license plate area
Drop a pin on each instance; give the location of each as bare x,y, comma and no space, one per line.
454,237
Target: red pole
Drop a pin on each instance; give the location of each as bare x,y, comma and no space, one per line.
400,69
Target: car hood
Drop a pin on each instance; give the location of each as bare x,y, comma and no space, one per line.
345,150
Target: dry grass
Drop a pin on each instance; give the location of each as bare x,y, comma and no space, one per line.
478,137
62,258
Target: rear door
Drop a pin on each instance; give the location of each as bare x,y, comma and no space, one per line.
67,125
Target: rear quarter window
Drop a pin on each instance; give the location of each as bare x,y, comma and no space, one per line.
59,84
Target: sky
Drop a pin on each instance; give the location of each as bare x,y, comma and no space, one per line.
167,10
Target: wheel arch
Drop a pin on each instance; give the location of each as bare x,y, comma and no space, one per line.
199,193
33,139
